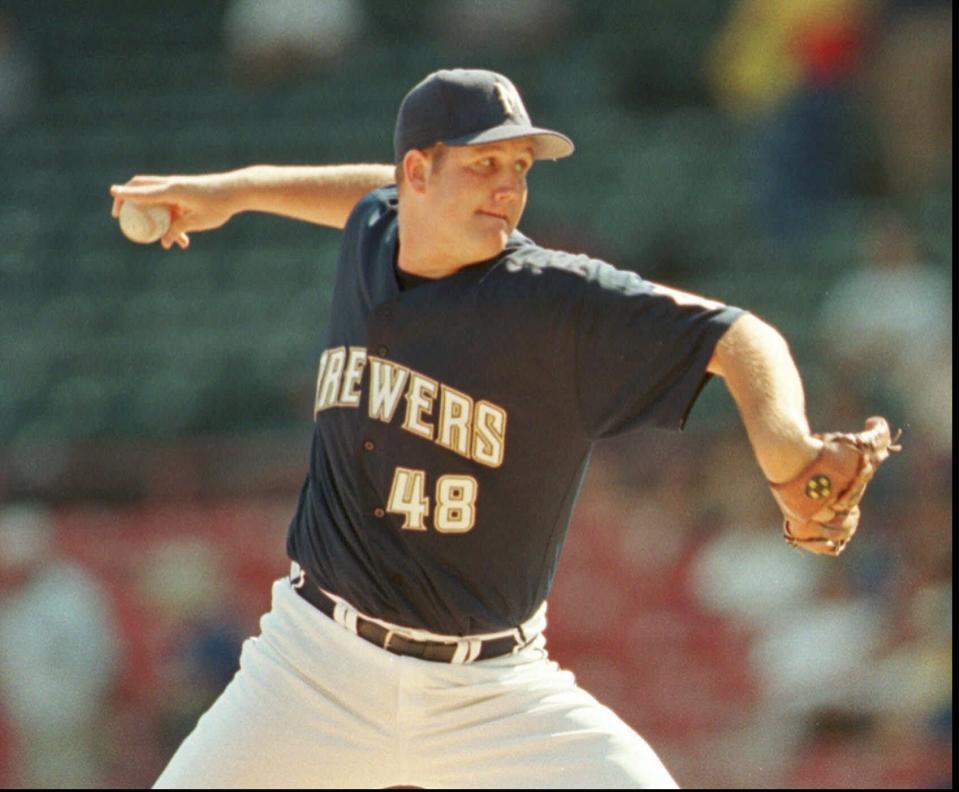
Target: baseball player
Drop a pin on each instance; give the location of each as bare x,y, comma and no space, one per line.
464,374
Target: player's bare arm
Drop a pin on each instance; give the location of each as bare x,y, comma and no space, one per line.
322,194
755,362
817,480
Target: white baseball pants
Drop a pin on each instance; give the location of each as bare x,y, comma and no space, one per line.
314,705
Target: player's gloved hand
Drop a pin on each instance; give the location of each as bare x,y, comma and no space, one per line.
821,504
197,203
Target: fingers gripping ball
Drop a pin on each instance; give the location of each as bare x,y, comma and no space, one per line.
820,506
144,224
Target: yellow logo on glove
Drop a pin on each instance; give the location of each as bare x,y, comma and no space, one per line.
818,487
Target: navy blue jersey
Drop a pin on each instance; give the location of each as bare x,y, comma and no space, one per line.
454,420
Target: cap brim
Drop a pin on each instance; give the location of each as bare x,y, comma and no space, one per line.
547,144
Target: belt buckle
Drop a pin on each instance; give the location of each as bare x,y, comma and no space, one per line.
387,639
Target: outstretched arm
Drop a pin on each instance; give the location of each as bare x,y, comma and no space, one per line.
322,194
755,362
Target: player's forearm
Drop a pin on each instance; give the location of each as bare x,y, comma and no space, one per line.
323,194
756,364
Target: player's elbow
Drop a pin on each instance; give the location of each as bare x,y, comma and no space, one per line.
741,341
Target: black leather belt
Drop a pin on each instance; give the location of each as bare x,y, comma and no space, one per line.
435,651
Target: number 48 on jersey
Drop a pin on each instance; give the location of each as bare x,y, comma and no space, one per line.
455,499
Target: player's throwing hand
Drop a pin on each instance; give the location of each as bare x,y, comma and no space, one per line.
197,203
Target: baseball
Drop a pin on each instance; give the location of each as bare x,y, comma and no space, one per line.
144,224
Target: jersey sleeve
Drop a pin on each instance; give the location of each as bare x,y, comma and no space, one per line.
642,351
368,208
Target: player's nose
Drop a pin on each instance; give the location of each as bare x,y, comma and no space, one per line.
510,188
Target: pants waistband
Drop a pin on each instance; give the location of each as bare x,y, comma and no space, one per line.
458,651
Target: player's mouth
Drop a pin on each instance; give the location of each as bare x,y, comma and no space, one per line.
495,215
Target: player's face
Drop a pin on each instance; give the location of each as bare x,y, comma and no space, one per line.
477,195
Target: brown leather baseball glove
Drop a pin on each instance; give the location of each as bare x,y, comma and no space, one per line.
821,504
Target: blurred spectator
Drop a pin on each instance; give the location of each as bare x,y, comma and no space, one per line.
911,76
187,588
787,68
890,722
746,573
502,25
806,659
889,325
912,677
58,654
18,74
270,43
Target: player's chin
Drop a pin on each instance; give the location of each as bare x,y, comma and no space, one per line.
490,251
491,243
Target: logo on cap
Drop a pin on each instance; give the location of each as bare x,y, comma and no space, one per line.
508,98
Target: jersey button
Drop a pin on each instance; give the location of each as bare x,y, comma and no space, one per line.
379,513
368,445
382,351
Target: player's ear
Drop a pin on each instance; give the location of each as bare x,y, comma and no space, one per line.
416,169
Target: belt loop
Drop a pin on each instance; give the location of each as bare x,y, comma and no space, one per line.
297,575
519,639
467,650
476,646
340,614
351,622
459,655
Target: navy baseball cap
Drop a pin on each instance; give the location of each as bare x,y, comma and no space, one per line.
469,107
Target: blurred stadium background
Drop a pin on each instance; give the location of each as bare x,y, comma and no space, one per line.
792,158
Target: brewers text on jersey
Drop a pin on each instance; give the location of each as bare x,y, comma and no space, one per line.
473,428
